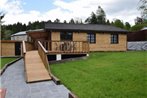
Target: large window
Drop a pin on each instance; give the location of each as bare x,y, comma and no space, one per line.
114,39
66,36
91,37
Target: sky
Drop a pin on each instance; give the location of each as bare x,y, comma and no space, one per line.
43,10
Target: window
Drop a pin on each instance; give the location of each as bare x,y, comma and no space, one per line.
91,37
66,36
114,38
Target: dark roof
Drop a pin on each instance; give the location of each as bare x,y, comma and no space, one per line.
83,27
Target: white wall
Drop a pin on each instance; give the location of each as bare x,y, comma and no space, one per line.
19,37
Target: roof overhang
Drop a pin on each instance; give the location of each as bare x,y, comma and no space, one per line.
83,28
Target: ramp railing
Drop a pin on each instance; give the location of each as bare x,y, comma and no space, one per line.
43,54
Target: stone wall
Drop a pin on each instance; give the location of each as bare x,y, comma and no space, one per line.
139,45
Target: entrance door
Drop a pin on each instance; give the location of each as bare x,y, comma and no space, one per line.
17,48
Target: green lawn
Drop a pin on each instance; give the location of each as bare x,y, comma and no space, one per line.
4,61
106,75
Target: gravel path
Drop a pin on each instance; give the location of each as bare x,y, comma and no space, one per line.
14,81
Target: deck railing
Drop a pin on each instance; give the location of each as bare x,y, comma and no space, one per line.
43,54
66,46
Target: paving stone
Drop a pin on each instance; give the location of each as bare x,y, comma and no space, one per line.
13,80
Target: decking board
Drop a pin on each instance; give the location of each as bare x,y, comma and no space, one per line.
35,69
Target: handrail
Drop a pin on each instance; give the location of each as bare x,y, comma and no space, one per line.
23,47
43,54
39,43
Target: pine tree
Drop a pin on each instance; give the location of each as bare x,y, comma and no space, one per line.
92,19
98,18
101,16
64,21
57,21
72,21
127,26
108,22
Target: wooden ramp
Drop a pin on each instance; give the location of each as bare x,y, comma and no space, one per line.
35,69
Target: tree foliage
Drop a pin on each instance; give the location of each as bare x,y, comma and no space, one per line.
1,15
97,18
57,21
127,26
72,21
143,8
118,23
101,16
92,19
138,27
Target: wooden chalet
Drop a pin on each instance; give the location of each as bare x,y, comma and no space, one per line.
59,41
79,38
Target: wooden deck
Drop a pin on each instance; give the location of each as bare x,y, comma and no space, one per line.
34,67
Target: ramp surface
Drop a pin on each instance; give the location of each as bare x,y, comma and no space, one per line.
34,67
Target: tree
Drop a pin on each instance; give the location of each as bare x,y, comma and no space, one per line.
127,26
98,18
57,21
92,19
7,34
138,27
49,21
138,20
1,17
101,16
112,23
64,21
118,23
143,8
108,22
3,32
72,21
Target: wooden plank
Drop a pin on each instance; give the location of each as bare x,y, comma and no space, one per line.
35,69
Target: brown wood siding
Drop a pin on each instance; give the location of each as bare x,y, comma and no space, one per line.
103,43
79,36
38,36
7,49
29,46
55,36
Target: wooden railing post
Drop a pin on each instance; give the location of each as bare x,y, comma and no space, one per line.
23,47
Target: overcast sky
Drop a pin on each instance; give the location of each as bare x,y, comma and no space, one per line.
33,10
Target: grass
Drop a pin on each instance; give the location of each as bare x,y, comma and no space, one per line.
4,61
106,75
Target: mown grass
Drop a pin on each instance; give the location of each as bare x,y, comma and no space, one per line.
106,75
4,61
